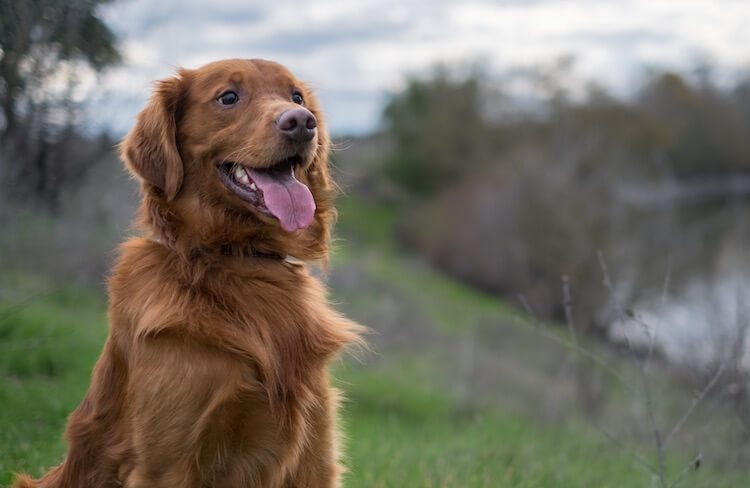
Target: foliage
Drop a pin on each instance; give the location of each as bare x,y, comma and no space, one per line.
39,40
446,125
513,198
438,129
706,128
47,48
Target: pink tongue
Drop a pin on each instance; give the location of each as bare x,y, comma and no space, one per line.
286,198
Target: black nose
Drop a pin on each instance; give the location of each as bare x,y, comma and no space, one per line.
298,124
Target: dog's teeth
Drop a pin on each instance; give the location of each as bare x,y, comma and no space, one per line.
241,175
253,187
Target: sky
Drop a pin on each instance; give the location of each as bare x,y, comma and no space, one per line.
355,53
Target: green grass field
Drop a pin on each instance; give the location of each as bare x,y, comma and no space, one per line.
407,421
401,429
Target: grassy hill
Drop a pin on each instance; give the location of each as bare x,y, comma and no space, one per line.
460,389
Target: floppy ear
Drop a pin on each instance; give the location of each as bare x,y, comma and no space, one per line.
150,149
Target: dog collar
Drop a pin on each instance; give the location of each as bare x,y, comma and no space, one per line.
247,251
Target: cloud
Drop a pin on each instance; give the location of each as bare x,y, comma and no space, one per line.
353,53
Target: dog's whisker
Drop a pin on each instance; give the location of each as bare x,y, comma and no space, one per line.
240,153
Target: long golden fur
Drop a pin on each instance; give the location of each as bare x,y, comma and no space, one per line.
214,373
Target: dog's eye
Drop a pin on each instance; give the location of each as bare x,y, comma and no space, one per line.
228,98
297,98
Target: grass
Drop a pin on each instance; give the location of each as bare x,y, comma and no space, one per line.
404,433
405,426
402,430
365,222
47,348
449,304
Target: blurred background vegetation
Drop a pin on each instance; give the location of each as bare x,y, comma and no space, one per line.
557,286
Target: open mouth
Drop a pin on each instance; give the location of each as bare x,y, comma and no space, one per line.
274,191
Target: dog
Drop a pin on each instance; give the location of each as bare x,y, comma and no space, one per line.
215,370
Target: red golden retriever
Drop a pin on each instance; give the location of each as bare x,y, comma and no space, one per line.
215,370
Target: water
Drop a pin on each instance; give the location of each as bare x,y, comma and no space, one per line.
702,324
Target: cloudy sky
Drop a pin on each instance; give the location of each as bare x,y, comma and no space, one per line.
355,52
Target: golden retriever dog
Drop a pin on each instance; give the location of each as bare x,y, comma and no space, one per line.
215,371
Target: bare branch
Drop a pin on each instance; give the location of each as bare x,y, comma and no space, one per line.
655,431
696,401
541,330
568,306
694,465
634,454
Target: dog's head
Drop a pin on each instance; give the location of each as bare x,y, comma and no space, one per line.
235,153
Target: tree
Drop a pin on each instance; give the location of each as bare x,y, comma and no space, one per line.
438,129
705,127
45,48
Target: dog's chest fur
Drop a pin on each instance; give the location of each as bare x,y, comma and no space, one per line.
270,318
269,312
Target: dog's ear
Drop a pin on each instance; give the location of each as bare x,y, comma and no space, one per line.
150,149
